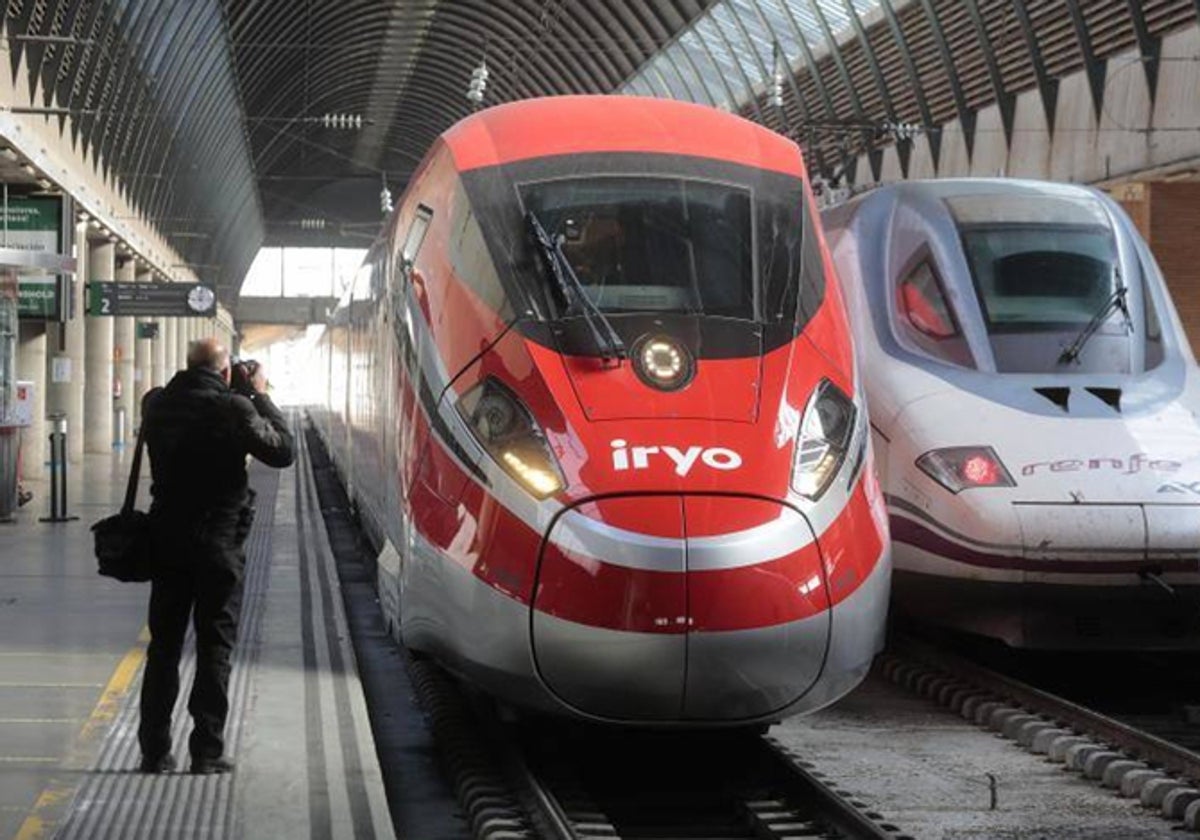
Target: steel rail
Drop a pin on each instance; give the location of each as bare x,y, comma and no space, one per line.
830,806
1143,745
801,804
547,814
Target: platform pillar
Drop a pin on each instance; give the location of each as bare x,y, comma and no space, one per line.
143,362
170,340
31,366
124,357
65,350
183,337
97,420
158,355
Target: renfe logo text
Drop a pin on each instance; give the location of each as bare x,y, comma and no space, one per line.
627,457
1135,463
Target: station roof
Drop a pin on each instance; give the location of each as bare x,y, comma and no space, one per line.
236,123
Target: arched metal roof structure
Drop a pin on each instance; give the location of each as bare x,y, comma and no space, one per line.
209,114
854,75
224,121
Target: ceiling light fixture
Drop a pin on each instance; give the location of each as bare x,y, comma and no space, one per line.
478,86
385,196
775,97
342,121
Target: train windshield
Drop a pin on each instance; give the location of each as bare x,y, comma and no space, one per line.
1047,280
654,244
1036,275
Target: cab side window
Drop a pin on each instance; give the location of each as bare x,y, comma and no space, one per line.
413,239
473,265
402,276
1153,326
924,306
925,317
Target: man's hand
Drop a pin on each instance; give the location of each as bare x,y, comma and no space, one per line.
259,379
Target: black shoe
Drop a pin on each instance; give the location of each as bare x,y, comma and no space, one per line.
209,766
158,764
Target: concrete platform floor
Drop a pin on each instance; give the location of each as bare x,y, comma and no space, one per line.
71,649
65,632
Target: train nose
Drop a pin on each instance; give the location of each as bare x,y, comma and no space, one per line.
668,607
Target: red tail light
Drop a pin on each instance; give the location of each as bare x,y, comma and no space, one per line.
959,468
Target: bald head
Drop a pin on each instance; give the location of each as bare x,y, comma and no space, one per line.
208,354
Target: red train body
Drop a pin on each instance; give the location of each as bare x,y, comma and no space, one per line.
594,394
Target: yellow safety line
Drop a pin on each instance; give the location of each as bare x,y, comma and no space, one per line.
41,821
48,685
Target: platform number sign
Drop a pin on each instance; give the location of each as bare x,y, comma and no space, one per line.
179,300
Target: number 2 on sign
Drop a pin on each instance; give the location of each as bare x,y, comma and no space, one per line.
105,306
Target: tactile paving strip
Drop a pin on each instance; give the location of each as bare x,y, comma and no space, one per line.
115,801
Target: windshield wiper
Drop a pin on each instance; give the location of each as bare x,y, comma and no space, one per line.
612,349
1115,301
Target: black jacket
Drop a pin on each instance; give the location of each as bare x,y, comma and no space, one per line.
199,433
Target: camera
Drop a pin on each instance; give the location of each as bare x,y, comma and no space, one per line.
241,379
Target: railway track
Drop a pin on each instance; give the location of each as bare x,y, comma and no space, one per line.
1126,758
586,784
549,779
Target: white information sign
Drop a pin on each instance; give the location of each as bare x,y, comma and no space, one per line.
60,369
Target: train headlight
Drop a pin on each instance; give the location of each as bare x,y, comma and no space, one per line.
507,430
662,362
959,468
826,434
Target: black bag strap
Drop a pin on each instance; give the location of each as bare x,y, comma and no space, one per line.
135,472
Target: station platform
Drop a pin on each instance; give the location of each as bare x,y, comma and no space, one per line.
72,646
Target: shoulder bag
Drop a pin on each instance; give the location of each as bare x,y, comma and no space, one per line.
123,544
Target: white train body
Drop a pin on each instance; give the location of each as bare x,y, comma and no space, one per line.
1022,333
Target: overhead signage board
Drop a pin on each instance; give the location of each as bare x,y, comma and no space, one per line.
33,224
169,300
37,298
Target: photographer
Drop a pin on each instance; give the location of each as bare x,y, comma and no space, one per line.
199,430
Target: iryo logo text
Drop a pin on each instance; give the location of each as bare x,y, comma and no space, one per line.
627,457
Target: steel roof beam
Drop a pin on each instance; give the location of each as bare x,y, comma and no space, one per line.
966,116
1047,86
1005,101
1094,67
914,81
1149,47
818,80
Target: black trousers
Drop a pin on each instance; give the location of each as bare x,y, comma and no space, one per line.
200,576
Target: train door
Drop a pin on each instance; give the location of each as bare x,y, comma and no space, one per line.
407,333
409,427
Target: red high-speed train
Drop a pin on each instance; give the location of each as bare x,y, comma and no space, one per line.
594,395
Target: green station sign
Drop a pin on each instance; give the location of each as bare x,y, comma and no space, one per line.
34,223
37,298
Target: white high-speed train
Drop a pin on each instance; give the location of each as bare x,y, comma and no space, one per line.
1033,403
